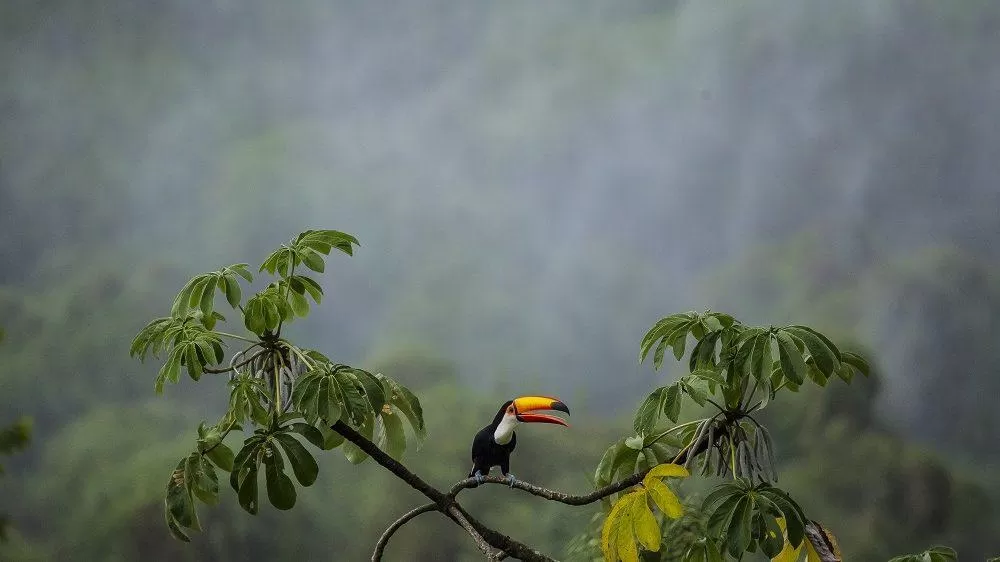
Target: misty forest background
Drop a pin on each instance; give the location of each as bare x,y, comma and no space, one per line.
533,185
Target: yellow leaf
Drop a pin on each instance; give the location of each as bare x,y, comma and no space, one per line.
665,499
787,554
644,524
627,551
617,530
665,470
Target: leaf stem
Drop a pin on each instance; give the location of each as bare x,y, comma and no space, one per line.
234,336
298,353
240,365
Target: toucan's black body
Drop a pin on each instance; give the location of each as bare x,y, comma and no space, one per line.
487,452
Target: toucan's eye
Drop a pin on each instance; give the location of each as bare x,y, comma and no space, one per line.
510,409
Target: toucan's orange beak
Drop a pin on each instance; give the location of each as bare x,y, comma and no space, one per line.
532,403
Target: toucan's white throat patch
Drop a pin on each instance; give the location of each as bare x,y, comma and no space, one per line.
505,429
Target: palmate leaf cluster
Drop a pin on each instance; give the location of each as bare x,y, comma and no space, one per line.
734,370
631,518
284,398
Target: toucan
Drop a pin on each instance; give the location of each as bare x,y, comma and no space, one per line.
494,443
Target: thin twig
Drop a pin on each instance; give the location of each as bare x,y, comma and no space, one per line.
384,539
234,336
235,367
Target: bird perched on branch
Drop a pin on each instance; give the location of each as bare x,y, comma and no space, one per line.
495,442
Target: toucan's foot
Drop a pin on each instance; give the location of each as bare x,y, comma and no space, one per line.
513,480
479,477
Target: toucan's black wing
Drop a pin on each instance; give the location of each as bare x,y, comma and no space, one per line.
482,447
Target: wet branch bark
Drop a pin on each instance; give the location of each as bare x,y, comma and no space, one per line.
487,539
446,503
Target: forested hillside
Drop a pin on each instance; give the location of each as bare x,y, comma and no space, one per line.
533,186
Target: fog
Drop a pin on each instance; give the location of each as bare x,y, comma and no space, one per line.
533,185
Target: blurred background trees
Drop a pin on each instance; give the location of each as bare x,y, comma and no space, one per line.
582,168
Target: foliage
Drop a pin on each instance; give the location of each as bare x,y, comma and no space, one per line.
743,367
932,554
273,384
631,518
735,368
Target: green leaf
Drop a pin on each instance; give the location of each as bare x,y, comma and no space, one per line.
826,359
933,554
280,490
311,287
222,456
696,388
170,371
794,519
815,374
672,402
299,304
678,343
372,388
738,530
194,367
409,405
773,540
232,289
206,484
664,329
331,439
658,354
253,317
179,501
649,412
175,529
845,372
311,433
763,367
353,453
243,270
856,361
792,364
312,260
603,473
303,464
208,296
634,442
392,440
330,401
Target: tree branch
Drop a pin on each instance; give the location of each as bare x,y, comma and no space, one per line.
443,503
446,503
582,499
384,539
